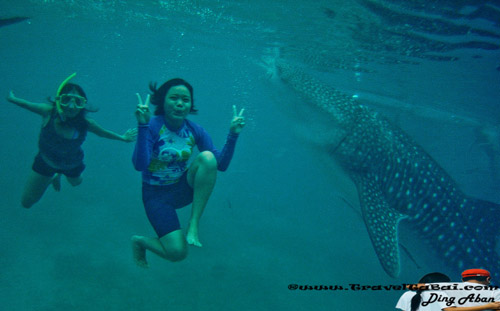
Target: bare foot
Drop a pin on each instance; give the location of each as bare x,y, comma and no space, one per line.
139,252
56,182
192,236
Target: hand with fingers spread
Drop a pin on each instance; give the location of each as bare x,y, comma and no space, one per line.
12,98
238,121
142,112
130,135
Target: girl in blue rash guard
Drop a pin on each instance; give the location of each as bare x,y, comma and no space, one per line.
171,178
64,129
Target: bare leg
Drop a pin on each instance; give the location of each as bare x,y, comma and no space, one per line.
35,188
201,177
171,247
74,181
56,182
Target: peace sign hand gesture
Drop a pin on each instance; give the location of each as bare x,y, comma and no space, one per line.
238,121
142,112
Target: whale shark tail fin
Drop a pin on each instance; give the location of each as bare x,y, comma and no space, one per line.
382,224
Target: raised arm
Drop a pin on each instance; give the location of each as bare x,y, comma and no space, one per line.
95,128
488,306
144,145
225,155
43,109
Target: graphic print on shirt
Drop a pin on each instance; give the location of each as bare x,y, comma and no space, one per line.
171,155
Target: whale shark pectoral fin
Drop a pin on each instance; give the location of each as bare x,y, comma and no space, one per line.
12,20
268,62
382,224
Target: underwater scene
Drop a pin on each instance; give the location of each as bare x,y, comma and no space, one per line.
369,157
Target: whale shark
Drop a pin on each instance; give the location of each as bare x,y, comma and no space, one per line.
397,180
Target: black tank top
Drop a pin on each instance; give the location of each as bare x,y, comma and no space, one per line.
63,153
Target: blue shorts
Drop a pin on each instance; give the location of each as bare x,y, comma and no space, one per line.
160,203
42,168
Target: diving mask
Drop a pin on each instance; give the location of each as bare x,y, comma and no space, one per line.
65,100
60,98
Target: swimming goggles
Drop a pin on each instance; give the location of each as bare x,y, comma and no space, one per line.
65,100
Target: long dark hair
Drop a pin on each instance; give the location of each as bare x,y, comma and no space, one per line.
434,277
158,94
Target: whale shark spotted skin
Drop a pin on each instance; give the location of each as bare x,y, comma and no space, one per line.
396,179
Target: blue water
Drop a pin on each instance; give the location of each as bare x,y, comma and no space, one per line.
281,214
